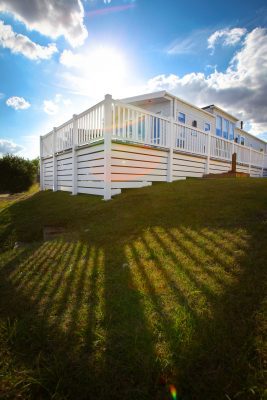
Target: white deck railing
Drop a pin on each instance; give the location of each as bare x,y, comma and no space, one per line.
189,140
136,125
47,144
91,124
64,136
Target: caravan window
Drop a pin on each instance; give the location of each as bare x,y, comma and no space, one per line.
231,131
225,128
206,127
218,125
181,117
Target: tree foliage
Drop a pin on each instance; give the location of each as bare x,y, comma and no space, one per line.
16,173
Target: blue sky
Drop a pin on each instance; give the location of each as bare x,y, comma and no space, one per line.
59,57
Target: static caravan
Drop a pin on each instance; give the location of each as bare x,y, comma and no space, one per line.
135,141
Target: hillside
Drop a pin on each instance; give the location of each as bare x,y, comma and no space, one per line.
161,288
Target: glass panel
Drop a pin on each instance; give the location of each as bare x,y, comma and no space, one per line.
218,126
225,128
231,131
207,127
181,117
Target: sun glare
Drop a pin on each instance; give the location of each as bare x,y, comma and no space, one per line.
105,69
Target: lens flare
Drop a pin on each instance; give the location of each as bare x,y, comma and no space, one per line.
173,392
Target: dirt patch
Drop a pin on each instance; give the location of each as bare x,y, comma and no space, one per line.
51,232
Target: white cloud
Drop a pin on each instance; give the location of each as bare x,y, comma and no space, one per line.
9,147
52,18
18,43
52,107
240,90
187,45
18,103
184,46
228,37
69,59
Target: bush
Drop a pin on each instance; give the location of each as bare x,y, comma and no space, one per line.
16,174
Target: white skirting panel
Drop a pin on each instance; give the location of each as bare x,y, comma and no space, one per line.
48,173
90,170
186,165
256,172
132,166
218,167
64,171
135,166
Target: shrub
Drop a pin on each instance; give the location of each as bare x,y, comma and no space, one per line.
16,174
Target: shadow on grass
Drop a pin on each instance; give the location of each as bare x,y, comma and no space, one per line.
177,304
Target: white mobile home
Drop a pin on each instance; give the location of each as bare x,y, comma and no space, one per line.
133,142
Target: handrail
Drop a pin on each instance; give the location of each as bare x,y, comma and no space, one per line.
90,109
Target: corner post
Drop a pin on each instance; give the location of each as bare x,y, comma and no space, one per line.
207,171
107,145
54,160
41,165
249,165
170,157
74,155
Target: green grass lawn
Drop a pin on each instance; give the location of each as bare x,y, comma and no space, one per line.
161,286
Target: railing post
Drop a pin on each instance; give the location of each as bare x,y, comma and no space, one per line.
249,165
74,155
41,165
208,154
233,149
170,156
107,145
54,160
263,162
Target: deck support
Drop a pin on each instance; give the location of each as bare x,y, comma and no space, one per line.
74,155
41,172
54,160
107,146
170,155
249,166
207,171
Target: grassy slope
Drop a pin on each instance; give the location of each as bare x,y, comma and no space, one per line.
162,285
7,200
